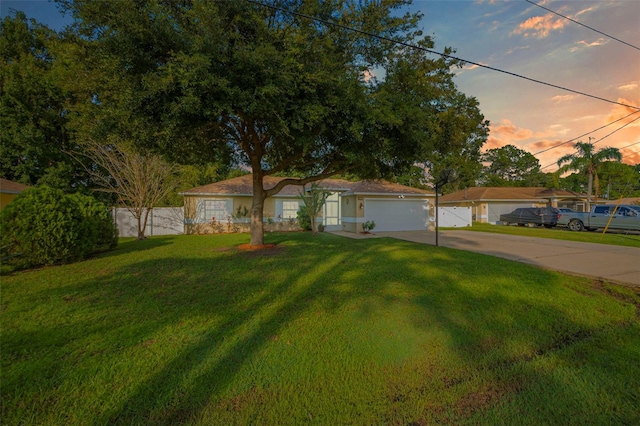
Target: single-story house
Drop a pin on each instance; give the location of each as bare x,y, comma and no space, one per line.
226,205
9,190
488,203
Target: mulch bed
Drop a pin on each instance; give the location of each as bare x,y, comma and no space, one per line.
249,247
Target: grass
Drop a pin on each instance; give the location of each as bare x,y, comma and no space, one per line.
629,239
324,330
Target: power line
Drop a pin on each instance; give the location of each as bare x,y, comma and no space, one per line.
585,134
618,129
444,55
604,137
586,26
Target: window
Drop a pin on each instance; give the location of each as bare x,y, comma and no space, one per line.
209,209
290,209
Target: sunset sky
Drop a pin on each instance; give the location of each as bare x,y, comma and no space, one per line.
522,38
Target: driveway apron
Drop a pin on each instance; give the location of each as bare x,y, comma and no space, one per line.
604,261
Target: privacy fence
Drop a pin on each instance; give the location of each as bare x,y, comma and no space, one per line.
162,221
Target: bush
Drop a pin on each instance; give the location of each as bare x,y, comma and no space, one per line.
47,226
99,222
304,220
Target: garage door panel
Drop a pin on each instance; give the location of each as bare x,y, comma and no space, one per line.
398,215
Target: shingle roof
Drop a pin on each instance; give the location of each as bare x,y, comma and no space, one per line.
243,185
508,193
10,187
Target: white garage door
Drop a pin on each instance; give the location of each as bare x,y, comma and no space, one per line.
397,215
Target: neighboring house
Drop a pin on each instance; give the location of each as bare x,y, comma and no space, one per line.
9,190
633,201
487,204
391,206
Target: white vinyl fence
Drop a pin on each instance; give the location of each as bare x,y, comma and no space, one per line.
454,217
162,221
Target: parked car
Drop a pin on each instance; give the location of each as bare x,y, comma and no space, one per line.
566,210
610,216
541,216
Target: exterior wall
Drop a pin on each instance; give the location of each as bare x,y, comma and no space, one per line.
349,205
354,211
487,211
194,225
6,199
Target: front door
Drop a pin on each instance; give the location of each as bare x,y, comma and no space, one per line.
331,213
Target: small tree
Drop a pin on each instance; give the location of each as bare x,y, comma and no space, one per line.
313,201
139,181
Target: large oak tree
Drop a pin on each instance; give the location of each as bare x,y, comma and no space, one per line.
274,90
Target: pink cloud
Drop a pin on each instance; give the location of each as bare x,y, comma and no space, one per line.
628,87
563,98
619,111
630,157
540,26
585,44
509,132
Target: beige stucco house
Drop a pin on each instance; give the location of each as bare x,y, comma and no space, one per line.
9,190
488,203
224,206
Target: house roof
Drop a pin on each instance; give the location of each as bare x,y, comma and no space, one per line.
379,187
631,200
508,194
243,185
10,187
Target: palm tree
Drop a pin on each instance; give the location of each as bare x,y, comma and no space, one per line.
588,161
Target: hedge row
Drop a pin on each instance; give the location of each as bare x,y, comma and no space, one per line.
44,226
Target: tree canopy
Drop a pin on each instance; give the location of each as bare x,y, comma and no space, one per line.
588,161
32,108
511,166
266,87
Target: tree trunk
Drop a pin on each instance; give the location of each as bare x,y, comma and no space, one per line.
257,208
589,189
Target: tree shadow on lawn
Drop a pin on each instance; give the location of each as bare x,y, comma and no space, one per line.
223,316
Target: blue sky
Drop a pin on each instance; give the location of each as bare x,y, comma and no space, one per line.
521,38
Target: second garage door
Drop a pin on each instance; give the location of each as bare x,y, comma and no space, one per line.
397,215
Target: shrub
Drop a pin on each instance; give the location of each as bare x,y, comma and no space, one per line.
304,220
368,226
48,226
99,222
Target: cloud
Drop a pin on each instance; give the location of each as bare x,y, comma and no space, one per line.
507,133
540,26
628,87
583,11
515,49
563,98
619,111
368,75
584,44
630,156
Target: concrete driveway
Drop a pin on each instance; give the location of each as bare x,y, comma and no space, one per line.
608,262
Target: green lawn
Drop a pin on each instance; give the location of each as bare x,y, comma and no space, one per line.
320,330
629,239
